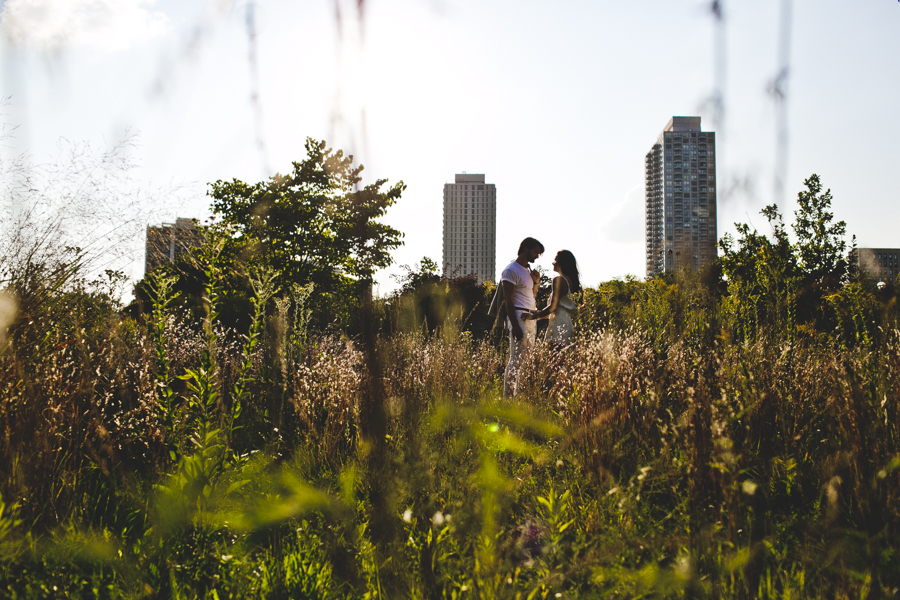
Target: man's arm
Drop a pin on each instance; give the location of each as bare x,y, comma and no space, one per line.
508,290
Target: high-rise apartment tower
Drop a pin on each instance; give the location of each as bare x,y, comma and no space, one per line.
680,194
470,227
880,263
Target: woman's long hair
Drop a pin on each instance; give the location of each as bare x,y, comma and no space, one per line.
569,267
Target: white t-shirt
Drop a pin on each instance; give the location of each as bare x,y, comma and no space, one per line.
523,285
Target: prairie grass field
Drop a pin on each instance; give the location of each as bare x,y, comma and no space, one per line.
277,409
255,424
666,453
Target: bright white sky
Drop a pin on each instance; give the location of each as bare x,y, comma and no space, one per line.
556,102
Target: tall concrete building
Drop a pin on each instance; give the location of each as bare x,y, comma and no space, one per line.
169,241
680,194
470,227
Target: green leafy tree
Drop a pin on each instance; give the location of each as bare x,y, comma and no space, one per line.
431,300
776,284
821,248
315,225
426,272
762,276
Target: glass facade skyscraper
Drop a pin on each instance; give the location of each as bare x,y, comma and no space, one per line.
680,196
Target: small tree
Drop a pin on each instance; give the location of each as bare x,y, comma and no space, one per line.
777,284
762,277
314,225
426,272
820,242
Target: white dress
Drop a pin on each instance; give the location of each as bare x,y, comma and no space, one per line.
560,328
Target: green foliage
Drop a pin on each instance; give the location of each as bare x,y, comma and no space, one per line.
160,286
263,288
763,279
427,301
671,308
413,278
775,286
821,248
315,225
8,524
188,455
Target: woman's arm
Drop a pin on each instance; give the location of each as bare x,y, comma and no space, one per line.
555,295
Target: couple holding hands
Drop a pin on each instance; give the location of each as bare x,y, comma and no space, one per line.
519,285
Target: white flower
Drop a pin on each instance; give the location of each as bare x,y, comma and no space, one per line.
407,516
438,518
749,487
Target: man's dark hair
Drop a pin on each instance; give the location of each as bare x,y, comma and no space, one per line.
529,243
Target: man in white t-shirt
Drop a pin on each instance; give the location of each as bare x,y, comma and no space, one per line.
520,286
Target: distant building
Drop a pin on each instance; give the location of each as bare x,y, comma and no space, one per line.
878,263
680,196
470,227
170,240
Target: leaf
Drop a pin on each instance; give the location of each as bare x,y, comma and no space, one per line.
236,485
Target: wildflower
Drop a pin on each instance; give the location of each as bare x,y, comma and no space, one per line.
749,488
438,518
407,516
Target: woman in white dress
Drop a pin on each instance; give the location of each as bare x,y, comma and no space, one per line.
561,308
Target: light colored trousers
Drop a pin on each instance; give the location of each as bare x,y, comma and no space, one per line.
518,349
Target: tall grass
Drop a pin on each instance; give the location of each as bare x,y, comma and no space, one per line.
666,452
